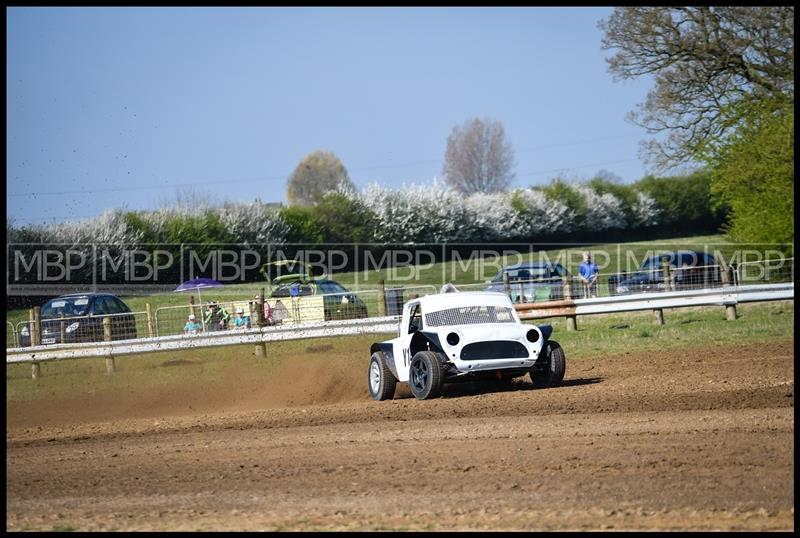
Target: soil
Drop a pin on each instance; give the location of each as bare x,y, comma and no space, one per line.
698,439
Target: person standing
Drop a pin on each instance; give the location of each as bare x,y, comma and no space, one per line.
588,272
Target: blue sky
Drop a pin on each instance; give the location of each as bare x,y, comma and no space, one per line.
117,107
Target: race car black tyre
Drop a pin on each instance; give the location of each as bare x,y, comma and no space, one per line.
426,376
380,379
551,373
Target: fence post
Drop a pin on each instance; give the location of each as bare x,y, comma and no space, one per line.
33,328
725,276
572,321
667,275
730,309
258,312
63,329
659,312
150,324
261,347
191,304
381,297
36,335
110,366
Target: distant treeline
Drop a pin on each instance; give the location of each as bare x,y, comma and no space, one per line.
598,209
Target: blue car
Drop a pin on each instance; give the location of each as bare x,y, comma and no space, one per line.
78,317
689,270
531,282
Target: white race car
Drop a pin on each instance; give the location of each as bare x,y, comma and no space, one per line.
460,336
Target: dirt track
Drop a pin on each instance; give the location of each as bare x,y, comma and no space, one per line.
700,439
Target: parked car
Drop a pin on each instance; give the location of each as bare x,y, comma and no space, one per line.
689,270
462,336
81,315
529,282
338,302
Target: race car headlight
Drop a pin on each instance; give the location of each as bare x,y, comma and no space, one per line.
453,339
532,335
72,327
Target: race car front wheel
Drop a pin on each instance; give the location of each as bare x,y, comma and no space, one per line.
426,376
549,369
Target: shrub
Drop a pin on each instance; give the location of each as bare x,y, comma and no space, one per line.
344,219
302,225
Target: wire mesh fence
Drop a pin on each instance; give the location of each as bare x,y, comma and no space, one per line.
81,329
235,314
285,311
531,290
765,272
241,313
649,280
668,278
209,317
11,335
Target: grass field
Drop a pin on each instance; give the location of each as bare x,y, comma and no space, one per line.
600,335
610,257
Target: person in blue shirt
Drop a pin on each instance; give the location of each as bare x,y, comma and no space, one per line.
192,327
588,273
241,321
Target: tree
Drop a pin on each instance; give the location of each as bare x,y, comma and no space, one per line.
318,174
754,174
704,60
605,182
303,225
478,157
685,202
559,190
345,219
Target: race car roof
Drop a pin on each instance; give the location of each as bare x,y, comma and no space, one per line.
442,301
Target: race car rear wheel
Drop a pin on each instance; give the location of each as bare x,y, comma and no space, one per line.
551,372
380,379
426,376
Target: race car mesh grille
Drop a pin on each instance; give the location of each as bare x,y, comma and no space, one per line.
469,315
500,349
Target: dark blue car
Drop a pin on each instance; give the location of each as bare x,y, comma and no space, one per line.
689,269
79,317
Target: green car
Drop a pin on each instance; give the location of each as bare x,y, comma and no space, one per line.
338,302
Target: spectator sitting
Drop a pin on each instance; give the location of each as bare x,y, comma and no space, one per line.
241,321
216,317
191,327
